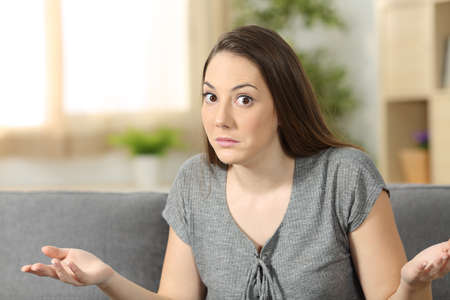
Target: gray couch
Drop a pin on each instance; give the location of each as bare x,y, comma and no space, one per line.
126,230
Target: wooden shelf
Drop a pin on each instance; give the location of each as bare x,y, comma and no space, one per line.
443,93
441,1
412,35
405,98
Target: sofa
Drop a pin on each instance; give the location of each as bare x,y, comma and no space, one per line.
126,230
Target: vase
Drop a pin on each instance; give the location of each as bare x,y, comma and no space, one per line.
145,169
416,165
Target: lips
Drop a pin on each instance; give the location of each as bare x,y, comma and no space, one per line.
226,142
223,139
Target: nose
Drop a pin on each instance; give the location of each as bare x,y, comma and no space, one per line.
223,115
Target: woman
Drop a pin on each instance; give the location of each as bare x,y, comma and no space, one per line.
277,208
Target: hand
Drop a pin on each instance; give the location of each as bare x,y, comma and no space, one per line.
72,266
429,264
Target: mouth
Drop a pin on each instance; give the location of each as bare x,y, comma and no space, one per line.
226,142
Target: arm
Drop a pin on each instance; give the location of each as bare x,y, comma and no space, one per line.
118,288
380,260
179,279
377,251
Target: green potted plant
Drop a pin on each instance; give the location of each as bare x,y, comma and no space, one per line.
146,149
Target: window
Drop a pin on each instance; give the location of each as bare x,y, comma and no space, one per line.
22,61
117,56
124,56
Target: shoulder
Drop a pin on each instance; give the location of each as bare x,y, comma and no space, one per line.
357,184
356,168
349,158
343,166
338,159
198,160
195,169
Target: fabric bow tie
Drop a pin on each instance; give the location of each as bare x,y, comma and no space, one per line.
259,282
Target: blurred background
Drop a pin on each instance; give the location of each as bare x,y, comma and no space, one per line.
106,95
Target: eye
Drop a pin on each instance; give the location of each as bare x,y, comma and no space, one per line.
244,100
210,98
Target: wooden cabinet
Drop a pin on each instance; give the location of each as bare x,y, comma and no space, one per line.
439,125
411,38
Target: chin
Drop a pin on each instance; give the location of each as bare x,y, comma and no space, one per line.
226,159
229,158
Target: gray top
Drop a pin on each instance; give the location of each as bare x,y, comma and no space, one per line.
308,256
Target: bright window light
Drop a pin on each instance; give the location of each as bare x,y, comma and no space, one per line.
124,55
22,63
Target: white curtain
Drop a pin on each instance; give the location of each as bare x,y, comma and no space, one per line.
22,63
125,56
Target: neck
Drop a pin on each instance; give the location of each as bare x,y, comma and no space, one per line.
265,176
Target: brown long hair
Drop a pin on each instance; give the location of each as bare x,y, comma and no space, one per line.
302,130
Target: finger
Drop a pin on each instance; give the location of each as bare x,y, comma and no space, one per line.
80,276
62,272
445,267
55,252
422,267
63,275
422,270
437,266
25,268
428,267
40,270
43,270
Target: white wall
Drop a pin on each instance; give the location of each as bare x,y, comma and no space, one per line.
356,50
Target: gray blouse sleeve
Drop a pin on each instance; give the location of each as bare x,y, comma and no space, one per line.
367,184
176,210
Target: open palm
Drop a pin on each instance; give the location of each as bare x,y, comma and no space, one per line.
429,264
73,266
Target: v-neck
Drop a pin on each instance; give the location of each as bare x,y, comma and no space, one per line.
235,226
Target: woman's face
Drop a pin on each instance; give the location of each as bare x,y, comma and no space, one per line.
238,113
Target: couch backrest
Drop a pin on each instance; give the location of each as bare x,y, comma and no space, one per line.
126,230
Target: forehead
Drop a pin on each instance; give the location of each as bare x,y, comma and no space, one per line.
226,68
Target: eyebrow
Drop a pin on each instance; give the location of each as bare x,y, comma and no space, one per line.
239,86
